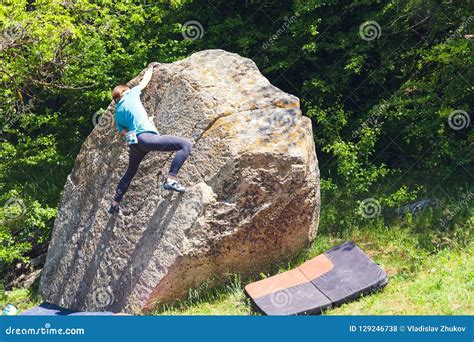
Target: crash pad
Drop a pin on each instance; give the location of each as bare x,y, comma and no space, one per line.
48,309
342,274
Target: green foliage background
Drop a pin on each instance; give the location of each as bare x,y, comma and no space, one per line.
380,108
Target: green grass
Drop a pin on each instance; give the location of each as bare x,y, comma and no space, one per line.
21,298
430,270
425,279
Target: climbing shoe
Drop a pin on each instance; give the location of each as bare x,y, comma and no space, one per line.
173,185
114,209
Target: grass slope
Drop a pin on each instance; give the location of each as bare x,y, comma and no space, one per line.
424,279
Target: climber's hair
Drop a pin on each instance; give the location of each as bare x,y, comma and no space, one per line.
118,91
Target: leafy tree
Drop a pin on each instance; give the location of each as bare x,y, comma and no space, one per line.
387,84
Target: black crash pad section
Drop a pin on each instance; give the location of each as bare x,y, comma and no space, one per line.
353,275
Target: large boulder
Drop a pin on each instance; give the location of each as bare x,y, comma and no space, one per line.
252,199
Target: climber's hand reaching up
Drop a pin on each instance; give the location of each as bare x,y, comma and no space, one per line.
153,64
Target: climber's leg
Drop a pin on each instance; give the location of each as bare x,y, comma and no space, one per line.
182,146
135,156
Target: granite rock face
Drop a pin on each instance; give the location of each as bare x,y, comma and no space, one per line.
252,199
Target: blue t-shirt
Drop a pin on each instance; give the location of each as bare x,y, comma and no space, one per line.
131,115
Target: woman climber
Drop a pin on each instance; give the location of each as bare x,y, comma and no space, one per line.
142,137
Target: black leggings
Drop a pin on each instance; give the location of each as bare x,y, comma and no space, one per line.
152,142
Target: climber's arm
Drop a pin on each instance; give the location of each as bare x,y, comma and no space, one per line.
147,76
126,123
121,130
